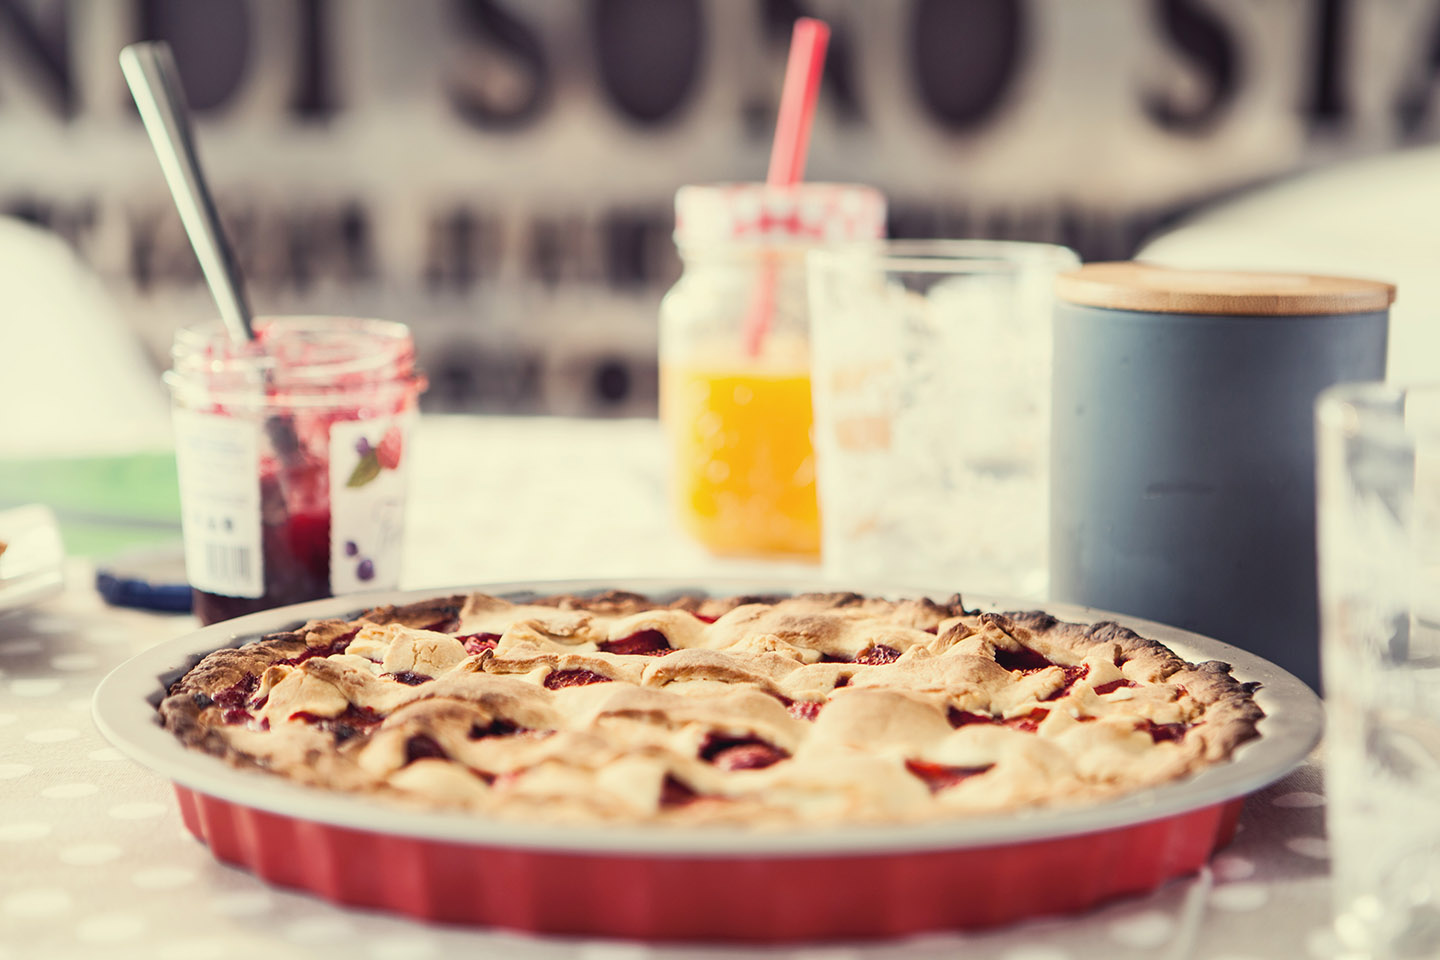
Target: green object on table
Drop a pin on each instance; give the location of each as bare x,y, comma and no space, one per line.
104,504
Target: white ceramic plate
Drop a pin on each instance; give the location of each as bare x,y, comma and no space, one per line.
32,566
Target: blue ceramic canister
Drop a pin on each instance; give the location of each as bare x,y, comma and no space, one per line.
1182,446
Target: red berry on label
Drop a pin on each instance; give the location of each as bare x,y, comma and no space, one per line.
389,450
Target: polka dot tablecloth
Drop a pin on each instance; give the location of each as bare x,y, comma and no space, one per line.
94,861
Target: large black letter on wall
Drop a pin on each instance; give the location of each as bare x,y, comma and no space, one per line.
648,52
1203,39
966,53
314,96
211,42
519,41
46,46
1326,106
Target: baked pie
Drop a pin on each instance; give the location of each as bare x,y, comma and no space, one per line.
815,708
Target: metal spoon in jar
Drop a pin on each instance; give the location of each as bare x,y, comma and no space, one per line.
154,82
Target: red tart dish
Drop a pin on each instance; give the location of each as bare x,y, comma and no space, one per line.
708,762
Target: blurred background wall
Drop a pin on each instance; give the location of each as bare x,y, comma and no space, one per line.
499,173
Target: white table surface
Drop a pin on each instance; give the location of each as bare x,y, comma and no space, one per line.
94,861
1372,218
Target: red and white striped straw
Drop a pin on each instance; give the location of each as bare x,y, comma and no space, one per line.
797,102
803,70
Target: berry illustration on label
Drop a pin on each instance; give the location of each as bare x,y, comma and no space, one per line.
388,452
373,458
368,463
364,566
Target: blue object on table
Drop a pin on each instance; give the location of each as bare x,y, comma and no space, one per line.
1182,451
152,579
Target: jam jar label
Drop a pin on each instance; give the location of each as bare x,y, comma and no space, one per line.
368,464
217,459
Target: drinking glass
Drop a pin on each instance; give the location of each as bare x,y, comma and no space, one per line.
930,376
1379,538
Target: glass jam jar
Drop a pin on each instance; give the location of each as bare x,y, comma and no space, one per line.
292,452
735,359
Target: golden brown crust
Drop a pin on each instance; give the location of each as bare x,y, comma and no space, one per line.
437,614
816,708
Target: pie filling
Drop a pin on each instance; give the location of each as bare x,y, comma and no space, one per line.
818,708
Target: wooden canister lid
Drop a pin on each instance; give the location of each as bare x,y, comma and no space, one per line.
1155,289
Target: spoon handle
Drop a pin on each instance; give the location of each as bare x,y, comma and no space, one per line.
150,71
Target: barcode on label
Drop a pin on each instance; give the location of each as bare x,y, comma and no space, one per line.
218,462
226,563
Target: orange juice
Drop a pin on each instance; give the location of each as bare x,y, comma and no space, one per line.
742,465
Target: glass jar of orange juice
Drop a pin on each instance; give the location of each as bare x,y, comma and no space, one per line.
735,359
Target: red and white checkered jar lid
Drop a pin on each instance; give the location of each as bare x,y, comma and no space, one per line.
807,213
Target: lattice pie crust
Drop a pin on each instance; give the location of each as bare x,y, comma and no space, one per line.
813,709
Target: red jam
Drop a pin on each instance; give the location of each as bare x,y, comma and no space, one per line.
1023,660
673,793
573,678
423,747
1026,660
873,656
805,709
234,702
479,642
1071,676
496,728
237,693
878,654
740,753
354,722
336,646
1164,732
645,643
1025,722
938,776
1113,685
